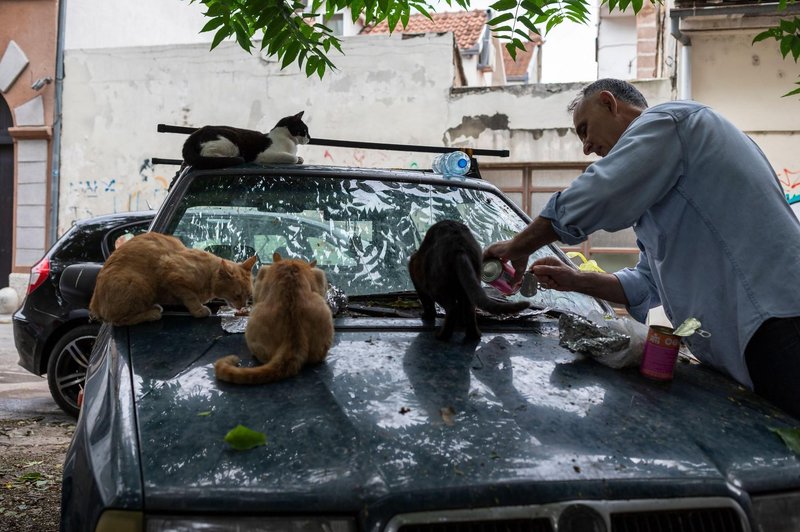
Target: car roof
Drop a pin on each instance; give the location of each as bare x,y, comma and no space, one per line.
121,217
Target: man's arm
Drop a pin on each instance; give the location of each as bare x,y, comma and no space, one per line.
554,274
517,250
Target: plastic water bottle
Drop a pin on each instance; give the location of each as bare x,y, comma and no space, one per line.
451,164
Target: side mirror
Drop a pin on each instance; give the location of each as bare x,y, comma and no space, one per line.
77,283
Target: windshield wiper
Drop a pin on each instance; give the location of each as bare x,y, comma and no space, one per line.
401,304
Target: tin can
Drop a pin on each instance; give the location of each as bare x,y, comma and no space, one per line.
499,275
660,353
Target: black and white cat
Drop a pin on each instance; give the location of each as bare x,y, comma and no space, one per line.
220,146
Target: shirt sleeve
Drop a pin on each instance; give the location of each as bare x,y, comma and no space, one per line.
616,190
639,288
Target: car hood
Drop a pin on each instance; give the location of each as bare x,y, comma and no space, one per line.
395,413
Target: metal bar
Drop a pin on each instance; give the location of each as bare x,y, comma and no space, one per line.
159,160
165,128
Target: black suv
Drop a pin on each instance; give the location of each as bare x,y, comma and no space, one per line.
51,334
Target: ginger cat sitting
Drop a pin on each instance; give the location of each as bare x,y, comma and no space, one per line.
153,268
290,323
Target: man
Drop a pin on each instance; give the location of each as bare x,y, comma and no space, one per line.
717,239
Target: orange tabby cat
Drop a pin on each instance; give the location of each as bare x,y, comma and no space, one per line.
153,268
290,323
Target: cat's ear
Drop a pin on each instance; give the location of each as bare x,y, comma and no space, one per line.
321,282
313,263
299,115
225,270
276,257
249,263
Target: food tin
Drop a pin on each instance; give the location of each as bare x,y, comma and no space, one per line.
500,275
660,353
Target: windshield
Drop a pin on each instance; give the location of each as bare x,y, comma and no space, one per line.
361,232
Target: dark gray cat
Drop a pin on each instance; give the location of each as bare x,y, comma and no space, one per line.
446,270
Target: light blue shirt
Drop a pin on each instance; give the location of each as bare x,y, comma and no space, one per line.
717,238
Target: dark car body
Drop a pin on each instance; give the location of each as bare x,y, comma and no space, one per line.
398,431
47,326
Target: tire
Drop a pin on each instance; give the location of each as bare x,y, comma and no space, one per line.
67,365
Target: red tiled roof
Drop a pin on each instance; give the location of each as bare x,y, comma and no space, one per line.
467,26
518,67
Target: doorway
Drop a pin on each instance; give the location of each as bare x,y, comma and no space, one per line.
6,193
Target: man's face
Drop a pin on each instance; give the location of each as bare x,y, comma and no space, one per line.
598,123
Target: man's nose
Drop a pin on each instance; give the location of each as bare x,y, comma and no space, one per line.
587,147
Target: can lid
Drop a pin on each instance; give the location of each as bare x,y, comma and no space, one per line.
491,270
530,284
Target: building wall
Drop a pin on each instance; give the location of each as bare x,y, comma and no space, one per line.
616,53
98,23
745,83
27,53
387,89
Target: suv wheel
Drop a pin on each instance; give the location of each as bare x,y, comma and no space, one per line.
66,368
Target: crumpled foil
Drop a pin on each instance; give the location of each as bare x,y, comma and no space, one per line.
231,323
336,299
580,335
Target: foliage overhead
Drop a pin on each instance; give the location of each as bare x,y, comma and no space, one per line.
294,32
787,33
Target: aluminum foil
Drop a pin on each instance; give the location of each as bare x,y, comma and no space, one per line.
231,323
580,335
336,299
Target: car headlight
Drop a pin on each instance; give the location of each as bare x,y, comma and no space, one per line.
777,513
249,524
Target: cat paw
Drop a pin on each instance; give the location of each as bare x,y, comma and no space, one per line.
299,160
202,312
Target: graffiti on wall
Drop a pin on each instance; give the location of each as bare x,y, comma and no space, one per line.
364,159
790,180
87,197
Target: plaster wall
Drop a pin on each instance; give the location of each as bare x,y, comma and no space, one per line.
616,37
112,23
32,26
387,89
745,83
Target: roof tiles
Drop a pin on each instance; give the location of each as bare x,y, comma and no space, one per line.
468,26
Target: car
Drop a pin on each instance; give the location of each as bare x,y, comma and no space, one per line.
52,335
398,431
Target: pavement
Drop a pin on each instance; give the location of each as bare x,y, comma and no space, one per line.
22,394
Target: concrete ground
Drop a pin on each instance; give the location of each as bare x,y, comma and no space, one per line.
22,394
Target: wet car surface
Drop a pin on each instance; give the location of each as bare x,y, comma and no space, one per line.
397,430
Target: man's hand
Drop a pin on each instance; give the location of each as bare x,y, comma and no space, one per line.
504,250
554,274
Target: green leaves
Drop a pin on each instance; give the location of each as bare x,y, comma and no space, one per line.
241,438
787,33
791,437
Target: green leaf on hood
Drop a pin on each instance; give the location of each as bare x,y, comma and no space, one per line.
791,437
241,438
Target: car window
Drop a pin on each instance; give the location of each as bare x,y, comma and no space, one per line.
362,232
120,235
80,244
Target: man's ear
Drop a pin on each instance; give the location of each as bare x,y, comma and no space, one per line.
608,101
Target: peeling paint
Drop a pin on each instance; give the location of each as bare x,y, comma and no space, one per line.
473,126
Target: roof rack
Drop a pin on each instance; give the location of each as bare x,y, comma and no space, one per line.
472,152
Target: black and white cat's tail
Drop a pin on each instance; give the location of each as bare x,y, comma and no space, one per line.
203,138
470,282
192,157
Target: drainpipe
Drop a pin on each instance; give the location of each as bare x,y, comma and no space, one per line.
55,174
685,61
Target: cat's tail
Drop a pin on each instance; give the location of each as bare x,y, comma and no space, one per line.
468,277
279,367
